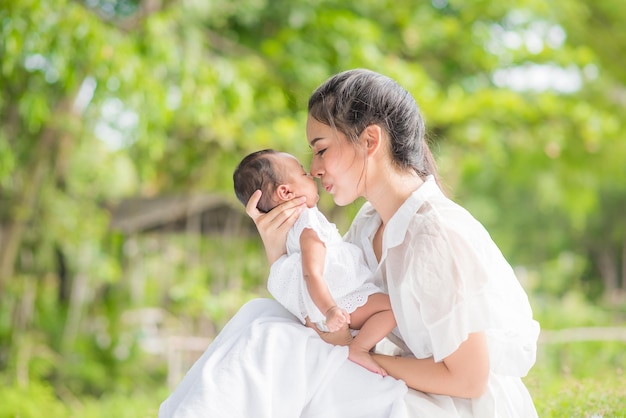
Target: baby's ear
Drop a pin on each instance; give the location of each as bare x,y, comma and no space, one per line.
284,192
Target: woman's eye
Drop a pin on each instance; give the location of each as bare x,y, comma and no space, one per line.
320,152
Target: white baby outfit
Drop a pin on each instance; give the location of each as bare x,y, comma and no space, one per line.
347,276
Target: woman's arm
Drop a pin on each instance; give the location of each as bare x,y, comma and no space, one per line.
313,259
273,226
463,373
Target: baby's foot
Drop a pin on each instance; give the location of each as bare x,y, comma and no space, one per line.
363,358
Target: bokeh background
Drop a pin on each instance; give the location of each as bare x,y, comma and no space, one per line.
123,250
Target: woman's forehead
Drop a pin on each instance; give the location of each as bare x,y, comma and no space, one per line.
316,130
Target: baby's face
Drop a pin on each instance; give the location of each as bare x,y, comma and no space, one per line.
299,180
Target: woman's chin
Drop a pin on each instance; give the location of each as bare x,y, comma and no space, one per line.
341,202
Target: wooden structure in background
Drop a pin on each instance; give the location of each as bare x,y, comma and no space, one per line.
208,214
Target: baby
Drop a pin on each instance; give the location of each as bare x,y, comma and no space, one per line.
322,279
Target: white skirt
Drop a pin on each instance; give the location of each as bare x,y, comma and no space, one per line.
265,364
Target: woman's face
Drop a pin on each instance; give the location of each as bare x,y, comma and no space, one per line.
338,163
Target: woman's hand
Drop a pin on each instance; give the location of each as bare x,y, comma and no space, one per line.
273,226
341,337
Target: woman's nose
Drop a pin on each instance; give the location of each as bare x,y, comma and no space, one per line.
316,169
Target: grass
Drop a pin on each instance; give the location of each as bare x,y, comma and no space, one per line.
583,379
569,380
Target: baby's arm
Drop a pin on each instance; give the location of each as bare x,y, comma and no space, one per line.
313,256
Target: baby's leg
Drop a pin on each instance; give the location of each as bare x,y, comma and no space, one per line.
375,320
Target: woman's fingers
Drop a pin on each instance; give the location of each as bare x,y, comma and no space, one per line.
251,206
341,337
274,225
283,216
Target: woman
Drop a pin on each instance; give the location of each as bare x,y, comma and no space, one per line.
465,333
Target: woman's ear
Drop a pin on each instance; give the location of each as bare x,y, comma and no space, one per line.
283,192
372,138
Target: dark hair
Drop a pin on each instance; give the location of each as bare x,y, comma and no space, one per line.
256,172
352,100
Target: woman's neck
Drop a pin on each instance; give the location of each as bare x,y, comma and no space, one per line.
389,192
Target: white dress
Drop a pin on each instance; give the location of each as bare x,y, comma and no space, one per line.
349,279
446,278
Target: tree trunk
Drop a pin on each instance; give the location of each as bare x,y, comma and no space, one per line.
34,175
624,265
24,206
607,263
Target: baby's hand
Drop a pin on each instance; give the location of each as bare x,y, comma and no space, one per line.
336,318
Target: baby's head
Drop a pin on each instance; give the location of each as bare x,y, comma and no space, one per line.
278,175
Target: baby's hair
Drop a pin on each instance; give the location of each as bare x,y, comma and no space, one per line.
256,172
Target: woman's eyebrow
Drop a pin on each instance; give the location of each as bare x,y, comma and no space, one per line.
313,141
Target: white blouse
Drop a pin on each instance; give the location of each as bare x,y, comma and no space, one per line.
446,278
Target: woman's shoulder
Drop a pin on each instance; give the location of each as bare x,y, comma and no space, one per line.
434,221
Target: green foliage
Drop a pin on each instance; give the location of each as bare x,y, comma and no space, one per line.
573,359
569,310
579,380
40,400
137,404
578,398
35,401
107,99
